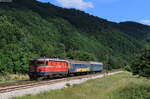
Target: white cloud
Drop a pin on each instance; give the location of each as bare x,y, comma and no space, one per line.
79,4
146,22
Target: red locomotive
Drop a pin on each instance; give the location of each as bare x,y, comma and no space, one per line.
40,67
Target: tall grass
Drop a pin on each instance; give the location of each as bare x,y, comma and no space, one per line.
119,86
131,88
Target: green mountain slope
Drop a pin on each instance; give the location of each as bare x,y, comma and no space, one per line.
30,29
136,30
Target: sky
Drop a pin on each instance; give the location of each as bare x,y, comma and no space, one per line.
112,10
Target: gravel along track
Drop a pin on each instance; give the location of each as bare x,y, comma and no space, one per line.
35,88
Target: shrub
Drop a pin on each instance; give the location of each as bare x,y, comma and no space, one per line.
141,64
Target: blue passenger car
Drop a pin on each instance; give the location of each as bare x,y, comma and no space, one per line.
78,66
96,66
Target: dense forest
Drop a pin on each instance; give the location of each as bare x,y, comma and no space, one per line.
29,28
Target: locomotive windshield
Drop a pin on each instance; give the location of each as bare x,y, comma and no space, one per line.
37,62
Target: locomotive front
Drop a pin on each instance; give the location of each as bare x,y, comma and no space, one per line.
36,68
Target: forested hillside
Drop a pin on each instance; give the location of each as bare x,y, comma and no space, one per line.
29,28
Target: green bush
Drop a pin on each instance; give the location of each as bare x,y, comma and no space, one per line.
141,64
127,68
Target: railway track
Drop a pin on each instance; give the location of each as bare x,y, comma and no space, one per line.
48,82
41,83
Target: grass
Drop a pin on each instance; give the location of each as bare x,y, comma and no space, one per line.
119,86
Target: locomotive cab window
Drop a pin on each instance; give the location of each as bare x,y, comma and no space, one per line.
37,63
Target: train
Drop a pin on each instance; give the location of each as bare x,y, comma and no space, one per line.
45,67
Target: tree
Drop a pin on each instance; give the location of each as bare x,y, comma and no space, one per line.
83,56
141,64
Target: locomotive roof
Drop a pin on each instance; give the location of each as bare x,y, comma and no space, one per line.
47,59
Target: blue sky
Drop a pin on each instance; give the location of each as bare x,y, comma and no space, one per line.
112,10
